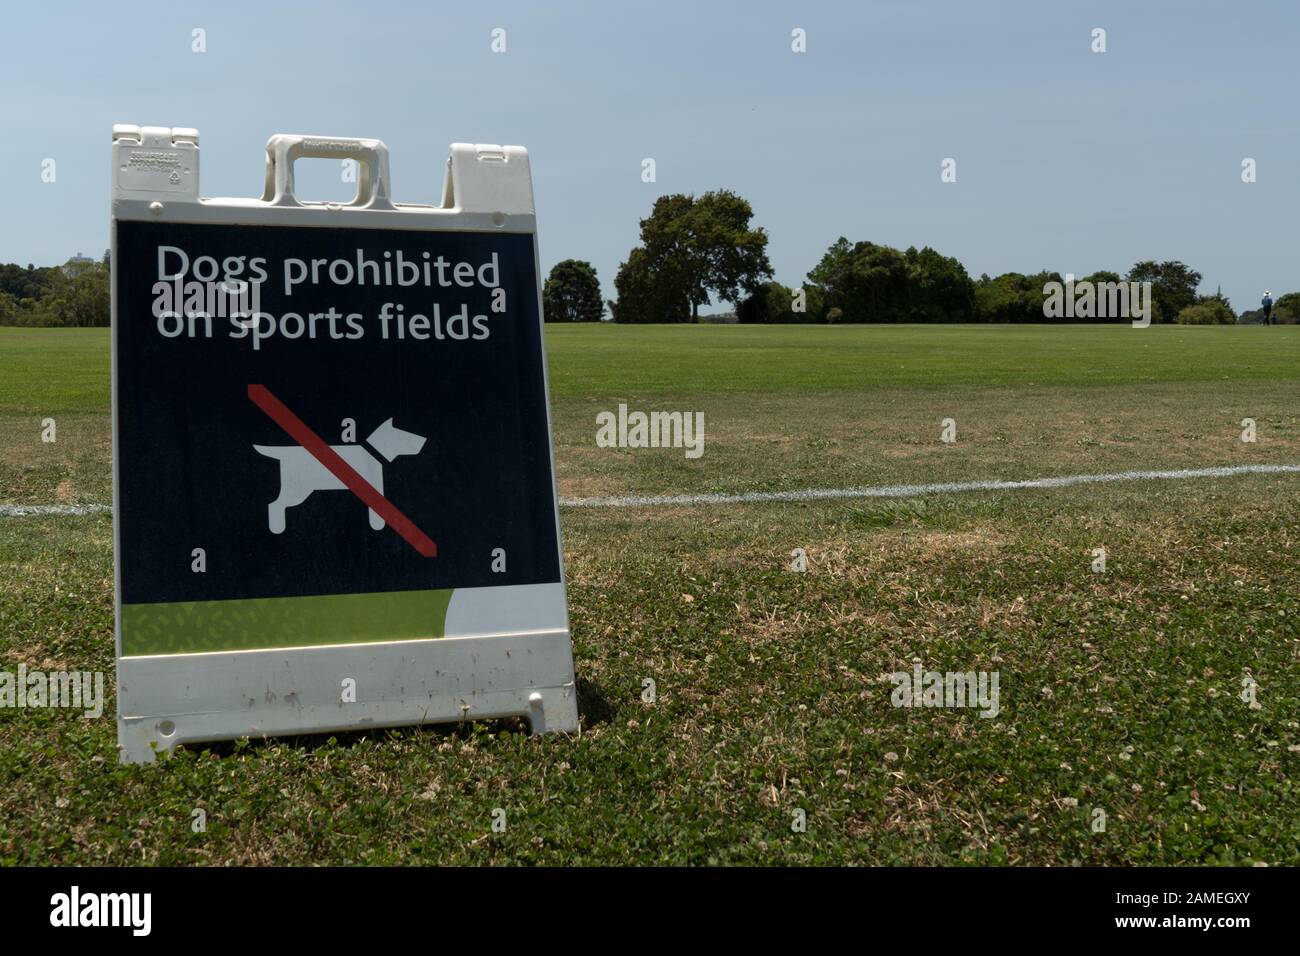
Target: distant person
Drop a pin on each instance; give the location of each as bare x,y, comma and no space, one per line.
1267,303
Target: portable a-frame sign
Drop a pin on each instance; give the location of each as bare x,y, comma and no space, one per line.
333,479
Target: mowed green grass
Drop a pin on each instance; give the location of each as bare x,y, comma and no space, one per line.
48,372
1120,691
671,361
790,406
53,371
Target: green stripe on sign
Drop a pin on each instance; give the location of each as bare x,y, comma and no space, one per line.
194,627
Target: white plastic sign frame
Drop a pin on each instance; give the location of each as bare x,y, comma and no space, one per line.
501,651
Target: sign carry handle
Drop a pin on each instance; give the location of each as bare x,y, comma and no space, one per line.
371,155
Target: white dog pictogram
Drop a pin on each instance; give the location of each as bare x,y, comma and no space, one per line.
301,473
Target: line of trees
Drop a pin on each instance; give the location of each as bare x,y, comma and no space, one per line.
75,294
694,250
697,249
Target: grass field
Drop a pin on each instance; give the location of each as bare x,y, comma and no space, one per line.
1120,691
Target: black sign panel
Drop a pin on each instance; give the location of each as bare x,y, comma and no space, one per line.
412,360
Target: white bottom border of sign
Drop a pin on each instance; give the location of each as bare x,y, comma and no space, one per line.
166,700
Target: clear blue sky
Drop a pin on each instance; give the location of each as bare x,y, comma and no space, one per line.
1066,159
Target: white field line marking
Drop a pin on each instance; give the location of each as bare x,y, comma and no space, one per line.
808,494
911,491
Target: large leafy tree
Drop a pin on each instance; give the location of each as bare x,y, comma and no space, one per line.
78,296
1173,286
646,295
868,282
1286,310
572,293
1010,297
1013,297
692,249
29,283
939,289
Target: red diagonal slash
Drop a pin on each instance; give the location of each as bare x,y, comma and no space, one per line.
279,413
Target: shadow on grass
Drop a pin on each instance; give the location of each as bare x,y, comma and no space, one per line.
593,706
347,739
